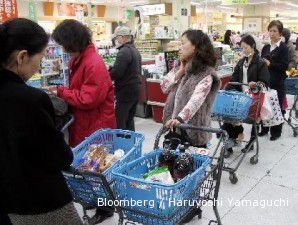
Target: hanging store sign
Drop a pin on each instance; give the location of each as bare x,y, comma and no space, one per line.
150,10
232,2
8,9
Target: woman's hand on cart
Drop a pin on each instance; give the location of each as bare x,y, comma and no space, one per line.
172,123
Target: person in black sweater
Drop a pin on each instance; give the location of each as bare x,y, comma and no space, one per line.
33,152
126,74
276,56
251,70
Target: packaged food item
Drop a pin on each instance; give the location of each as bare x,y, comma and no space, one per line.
167,156
119,153
183,164
93,158
160,174
107,162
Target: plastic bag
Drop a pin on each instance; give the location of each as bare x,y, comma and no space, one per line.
277,117
159,174
266,111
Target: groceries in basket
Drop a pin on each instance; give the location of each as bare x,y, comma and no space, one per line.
159,174
167,156
97,159
183,164
292,72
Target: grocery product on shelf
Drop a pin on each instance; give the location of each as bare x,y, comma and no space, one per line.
173,46
147,48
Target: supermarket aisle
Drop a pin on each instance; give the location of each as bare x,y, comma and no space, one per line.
249,201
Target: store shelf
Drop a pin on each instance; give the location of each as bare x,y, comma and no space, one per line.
50,74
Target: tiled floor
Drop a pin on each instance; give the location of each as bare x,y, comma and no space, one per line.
274,178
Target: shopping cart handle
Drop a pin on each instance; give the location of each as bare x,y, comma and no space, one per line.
238,84
185,126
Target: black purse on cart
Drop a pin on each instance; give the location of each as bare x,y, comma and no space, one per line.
177,136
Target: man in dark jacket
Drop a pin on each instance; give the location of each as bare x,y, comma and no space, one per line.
125,73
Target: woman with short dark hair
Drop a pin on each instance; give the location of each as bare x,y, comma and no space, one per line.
250,70
90,93
33,152
276,56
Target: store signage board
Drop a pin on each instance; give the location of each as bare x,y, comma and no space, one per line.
232,2
151,10
8,9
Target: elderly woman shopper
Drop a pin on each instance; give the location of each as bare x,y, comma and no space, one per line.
276,56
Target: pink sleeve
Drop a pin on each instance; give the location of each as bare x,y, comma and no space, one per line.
197,99
168,82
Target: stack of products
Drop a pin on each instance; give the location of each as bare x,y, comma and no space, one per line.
147,48
174,165
292,72
97,159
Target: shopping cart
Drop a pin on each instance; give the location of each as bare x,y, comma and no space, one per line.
291,86
238,107
88,187
201,186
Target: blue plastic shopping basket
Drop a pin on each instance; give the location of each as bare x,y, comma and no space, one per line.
165,207
231,105
87,187
291,86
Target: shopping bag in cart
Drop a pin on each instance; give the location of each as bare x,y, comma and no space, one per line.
256,105
266,110
277,118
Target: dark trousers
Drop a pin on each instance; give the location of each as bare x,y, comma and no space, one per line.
125,112
234,131
275,131
4,220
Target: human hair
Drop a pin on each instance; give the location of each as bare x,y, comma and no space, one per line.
276,23
204,54
227,37
297,44
249,40
286,33
72,35
21,34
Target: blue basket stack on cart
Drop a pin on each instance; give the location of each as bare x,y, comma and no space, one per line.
291,86
231,105
166,206
87,187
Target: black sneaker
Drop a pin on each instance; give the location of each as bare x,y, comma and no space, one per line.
263,133
97,218
245,149
274,138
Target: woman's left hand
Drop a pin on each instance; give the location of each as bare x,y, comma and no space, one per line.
172,123
52,89
252,84
267,62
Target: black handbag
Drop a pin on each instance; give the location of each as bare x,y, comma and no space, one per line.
177,136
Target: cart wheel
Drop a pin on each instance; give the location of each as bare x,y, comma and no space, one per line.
233,178
254,160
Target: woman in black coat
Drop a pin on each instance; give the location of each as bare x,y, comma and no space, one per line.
250,69
32,151
276,56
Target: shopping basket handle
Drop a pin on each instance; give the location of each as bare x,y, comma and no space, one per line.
259,85
185,126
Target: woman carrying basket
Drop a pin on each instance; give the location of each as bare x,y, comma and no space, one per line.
192,87
251,69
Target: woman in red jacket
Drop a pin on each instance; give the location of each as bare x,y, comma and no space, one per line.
90,93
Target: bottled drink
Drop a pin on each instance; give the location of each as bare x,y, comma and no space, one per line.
183,164
167,156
